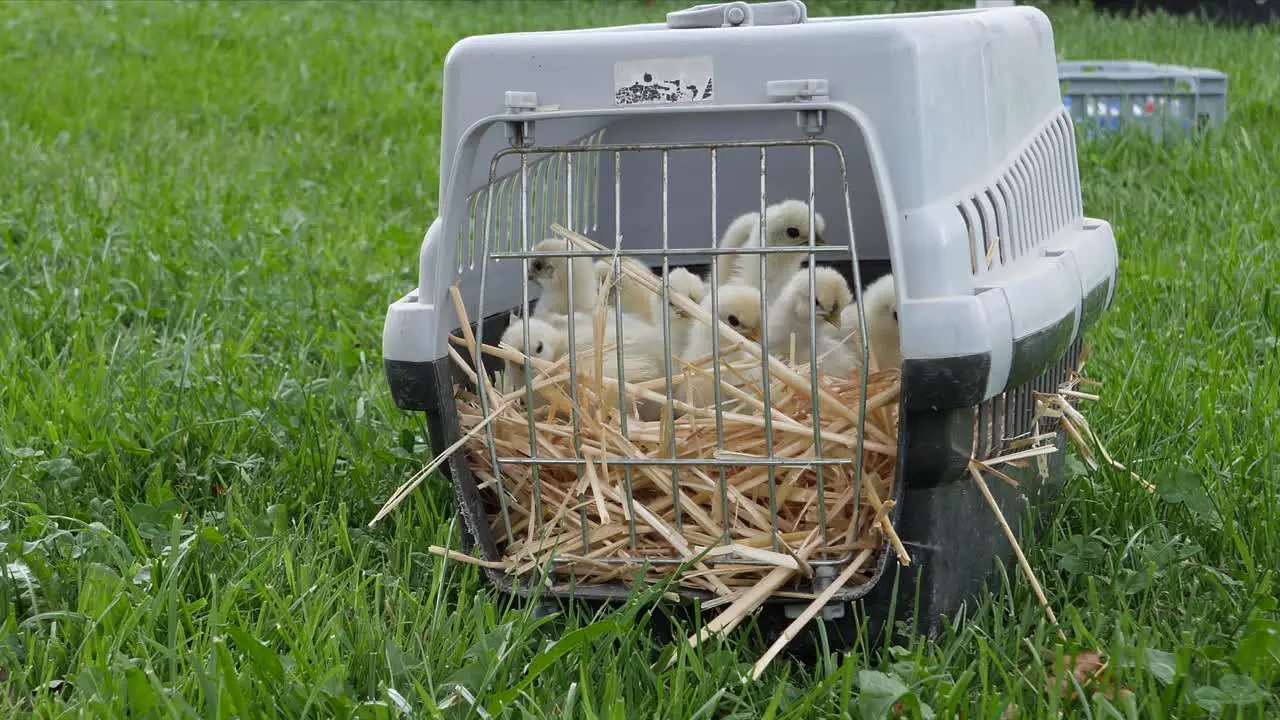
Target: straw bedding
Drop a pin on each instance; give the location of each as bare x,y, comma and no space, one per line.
707,531
550,517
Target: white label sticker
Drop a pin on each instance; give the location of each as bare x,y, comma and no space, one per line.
662,80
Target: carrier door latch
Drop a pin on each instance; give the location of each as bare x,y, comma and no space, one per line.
739,14
812,122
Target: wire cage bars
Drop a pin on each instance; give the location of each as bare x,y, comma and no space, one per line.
564,183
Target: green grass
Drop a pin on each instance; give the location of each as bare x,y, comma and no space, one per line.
204,210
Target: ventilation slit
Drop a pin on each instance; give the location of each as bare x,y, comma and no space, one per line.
1013,227
1022,197
998,422
968,216
986,216
1001,226
1049,177
1062,205
1039,200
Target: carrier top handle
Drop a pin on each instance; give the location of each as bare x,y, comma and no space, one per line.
739,14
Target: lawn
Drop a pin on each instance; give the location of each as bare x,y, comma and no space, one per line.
204,211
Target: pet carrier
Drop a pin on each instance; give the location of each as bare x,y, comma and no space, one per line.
934,144
1166,101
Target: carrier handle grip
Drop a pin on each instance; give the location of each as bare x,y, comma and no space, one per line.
739,14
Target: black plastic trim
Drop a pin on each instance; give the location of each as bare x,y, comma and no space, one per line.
1036,352
934,445
408,382
945,383
1095,302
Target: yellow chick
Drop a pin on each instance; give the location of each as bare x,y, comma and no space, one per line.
683,283
739,308
789,315
636,299
786,224
642,353
881,302
844,353
735,236
552,275
546,342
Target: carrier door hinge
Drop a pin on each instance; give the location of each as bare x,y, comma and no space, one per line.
520,132
812,122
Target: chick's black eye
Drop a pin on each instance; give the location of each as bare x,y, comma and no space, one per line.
537,264
538,350
733,320
793,232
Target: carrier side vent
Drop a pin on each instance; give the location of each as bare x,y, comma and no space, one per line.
1033,198
553,197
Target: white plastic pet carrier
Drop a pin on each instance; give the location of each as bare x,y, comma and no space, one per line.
934,144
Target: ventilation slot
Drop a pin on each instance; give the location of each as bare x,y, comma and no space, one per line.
969,216
1013,226
1034,168
562,188
1033,199
997,422
990,247
1022,189
996,200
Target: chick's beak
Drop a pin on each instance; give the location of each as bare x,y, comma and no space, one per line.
753,335
832,317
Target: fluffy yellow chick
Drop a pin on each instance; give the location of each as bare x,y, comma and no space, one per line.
736,236
688,285
546,342
739,308
786,224
643,358
881,302
845,352
552,275
636,299
789,314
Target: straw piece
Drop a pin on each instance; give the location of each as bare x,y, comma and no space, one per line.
808,614
462,557
1023,455
749,600
750,553
1017,548
904,558
408,487
992,471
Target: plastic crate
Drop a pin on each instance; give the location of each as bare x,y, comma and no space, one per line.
1167,101
1226,12
658,134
